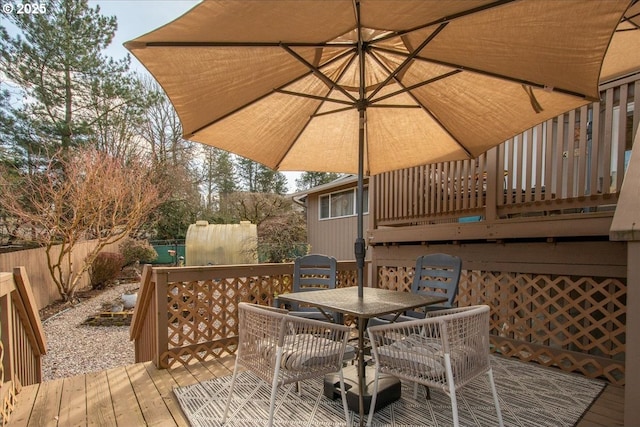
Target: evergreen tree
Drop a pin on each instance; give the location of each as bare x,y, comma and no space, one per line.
225,173
217,176
257,178
55,65
247,173
309,180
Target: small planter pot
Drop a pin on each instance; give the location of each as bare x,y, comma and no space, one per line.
129,300
117,308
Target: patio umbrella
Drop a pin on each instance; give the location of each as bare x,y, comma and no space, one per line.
367,86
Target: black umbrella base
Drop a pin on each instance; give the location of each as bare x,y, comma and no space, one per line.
389,388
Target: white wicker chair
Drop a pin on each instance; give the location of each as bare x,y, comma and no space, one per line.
446,350
283,349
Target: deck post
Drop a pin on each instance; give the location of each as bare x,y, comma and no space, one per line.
626,227
6,327
162,324
491,198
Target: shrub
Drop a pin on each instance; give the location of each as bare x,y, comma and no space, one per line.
105,268
137,250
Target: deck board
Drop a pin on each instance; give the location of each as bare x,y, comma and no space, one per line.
142,395
607,410
154,410
22,412
73,403
46,407
126,408
99,400
165,384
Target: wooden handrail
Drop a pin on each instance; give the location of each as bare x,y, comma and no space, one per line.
25,295
144,297
22,338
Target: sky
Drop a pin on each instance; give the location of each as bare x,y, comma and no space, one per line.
138,17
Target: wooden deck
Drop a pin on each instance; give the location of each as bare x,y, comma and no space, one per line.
141,395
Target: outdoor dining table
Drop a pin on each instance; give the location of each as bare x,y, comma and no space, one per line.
374,302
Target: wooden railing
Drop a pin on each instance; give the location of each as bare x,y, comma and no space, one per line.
571,321
22,341
572,163
190,313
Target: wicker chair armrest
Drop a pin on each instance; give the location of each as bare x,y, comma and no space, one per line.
448,311
273,309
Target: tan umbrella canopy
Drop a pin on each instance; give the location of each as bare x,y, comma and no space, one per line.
278,81
623,55
367,86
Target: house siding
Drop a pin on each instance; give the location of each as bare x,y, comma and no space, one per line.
334,237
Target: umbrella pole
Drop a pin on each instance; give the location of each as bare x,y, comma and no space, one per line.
359,245
360,248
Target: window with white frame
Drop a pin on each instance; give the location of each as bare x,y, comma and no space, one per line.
341,204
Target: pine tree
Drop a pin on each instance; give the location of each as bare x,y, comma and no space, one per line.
62,82
312,179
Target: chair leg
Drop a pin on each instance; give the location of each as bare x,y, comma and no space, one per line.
343,393
274,386
454,406
372,408
233,383
495,396
452,389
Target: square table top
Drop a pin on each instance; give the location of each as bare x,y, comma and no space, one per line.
375,301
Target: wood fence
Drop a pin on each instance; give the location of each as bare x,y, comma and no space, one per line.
35,262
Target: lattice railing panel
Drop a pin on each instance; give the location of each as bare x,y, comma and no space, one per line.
202,314
346,278
396,278
202,317
575,323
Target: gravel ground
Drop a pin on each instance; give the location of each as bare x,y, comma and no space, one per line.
74,348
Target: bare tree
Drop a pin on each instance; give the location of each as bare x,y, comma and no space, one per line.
255,207
282,238
82,195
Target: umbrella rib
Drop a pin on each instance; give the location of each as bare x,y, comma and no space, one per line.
629,20
339,110
490,74
316,71
137,45
415,86
316,114
408,59
337,58
317,97
445,19
393,106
